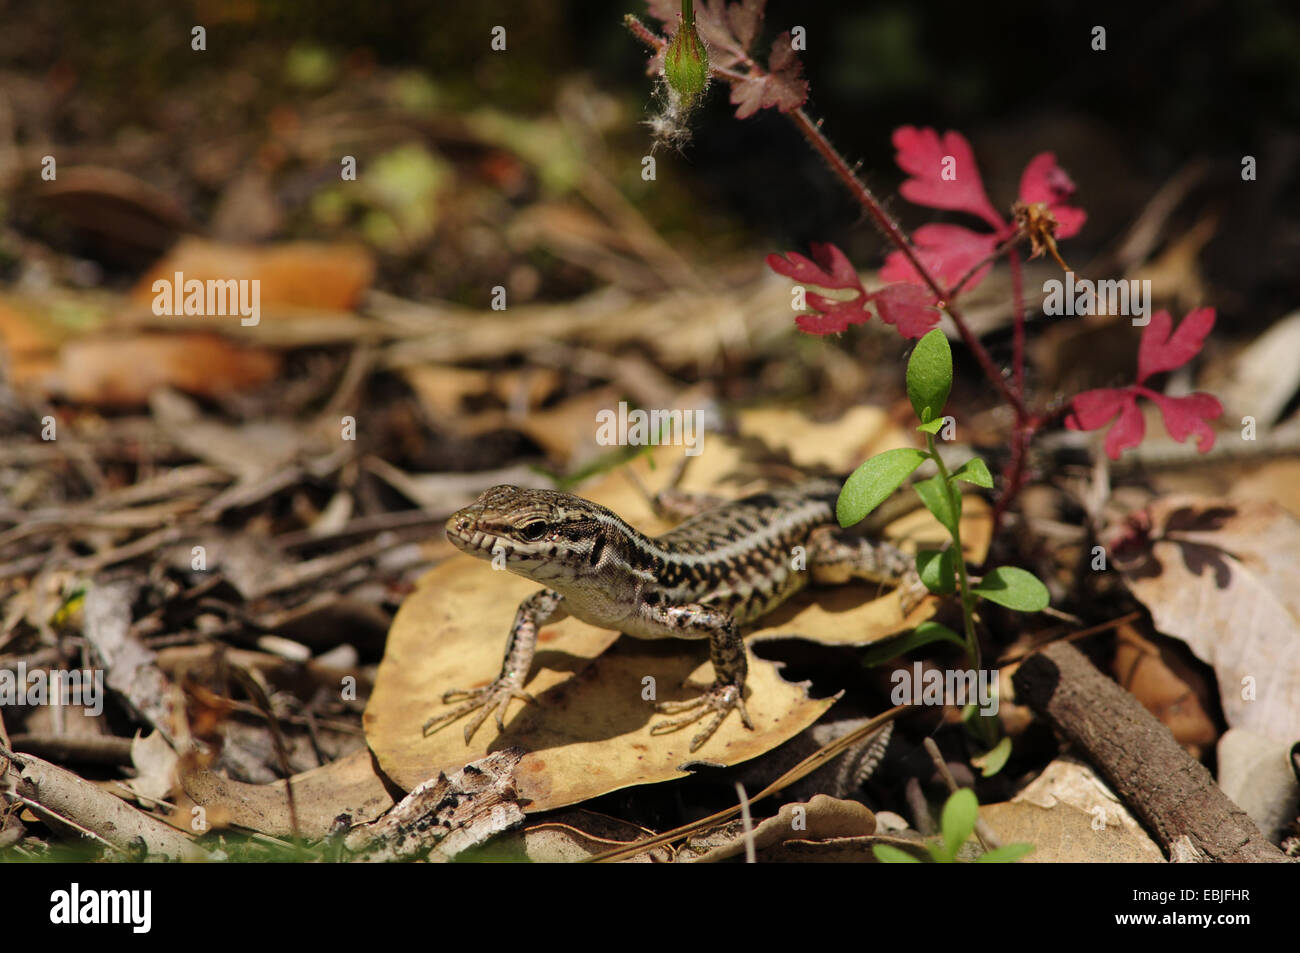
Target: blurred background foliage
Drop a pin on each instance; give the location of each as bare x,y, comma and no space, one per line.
1178,81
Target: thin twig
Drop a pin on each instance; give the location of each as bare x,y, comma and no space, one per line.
982,830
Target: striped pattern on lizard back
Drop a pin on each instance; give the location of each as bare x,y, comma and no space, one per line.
739,556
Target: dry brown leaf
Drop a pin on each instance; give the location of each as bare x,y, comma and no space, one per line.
1070,815
1221,575
821,818
861,432
346,786
1276,480
590,733
304,275
124,371
154,761
1167,686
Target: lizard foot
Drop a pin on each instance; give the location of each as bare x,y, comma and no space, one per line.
493,699
720,700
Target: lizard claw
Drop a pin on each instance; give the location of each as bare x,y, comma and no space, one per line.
493,699
720,699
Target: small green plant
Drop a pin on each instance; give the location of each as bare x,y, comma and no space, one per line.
929,379
960,813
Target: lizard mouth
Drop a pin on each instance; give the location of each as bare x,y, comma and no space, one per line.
466,536
473,541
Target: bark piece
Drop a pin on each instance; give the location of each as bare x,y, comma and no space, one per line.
1173,795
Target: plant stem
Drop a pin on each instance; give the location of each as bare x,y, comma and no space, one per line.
967,598
1018,319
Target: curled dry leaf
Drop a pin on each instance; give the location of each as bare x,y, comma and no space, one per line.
590,732
821,818
349,786
1220,575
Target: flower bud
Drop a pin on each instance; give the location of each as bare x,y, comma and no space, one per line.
686,64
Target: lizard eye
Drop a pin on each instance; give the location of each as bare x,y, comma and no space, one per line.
533,531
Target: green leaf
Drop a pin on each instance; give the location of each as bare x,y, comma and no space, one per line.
1013,588
870,484
994,760
934,426
974,471
934,494
936,569
1006,854
892,855
929,376
958,819
923,634
940,854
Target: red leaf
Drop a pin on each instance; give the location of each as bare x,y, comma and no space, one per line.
832,322
1046,182
908,307
1093,409
1161,351
783,87
1128,430
921,155
1185,416
946,251
835,271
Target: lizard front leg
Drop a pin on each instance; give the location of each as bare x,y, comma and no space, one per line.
834,559
730,666
539,609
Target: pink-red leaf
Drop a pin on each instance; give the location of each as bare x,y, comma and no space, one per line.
908,307
921,153
831,322
1093,409
1128,430
1046,182
1185,416
947,252
1161,351
832,269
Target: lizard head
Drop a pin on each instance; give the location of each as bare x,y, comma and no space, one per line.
552,538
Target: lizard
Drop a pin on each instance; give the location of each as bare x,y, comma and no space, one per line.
705,579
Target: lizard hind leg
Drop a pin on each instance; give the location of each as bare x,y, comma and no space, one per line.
834,558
